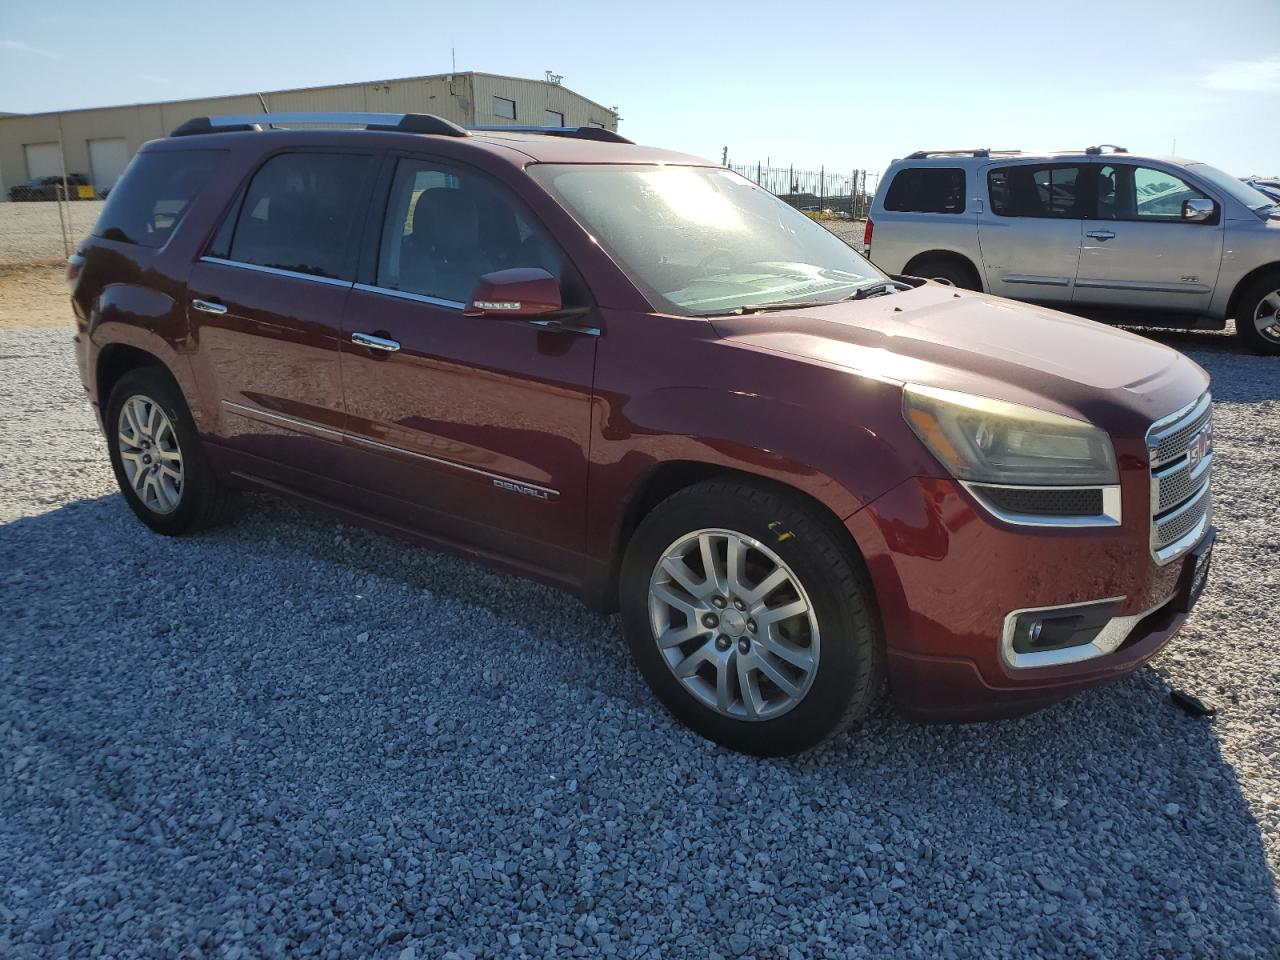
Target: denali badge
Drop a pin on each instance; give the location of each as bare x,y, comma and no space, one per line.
524,488
1201,446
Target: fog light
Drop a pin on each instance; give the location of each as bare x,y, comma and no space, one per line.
1070,626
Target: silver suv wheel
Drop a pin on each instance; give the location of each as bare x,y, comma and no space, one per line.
150,455
734,624
1267,316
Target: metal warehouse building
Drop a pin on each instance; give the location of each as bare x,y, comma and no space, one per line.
99,142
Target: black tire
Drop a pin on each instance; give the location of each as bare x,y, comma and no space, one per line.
1246,309
945,268
849,675
201,501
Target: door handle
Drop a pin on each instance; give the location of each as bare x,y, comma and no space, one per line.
209,306
375,342
1103,235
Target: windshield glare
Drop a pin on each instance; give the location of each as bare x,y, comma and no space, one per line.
703,240
1250,197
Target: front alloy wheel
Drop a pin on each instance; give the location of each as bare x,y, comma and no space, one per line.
150,454
1266,317
1258,314
734,624
749,613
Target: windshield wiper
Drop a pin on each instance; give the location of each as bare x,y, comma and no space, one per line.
761,307
877,289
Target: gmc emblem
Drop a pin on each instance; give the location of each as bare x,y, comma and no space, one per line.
1200,447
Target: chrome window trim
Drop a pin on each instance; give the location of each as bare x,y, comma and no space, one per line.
1106,642
1110,516
309,427
277,271
405,295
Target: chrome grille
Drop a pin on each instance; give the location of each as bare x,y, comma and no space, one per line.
1180,448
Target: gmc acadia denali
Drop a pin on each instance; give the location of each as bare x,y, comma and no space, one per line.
638,376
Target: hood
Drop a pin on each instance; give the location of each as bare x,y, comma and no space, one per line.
959,340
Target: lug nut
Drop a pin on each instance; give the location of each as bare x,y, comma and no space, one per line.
718,602
751,625
737,602
710,620
722,642
744,645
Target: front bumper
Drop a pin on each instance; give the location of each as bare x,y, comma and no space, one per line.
948,575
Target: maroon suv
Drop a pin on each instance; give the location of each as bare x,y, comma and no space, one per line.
635,375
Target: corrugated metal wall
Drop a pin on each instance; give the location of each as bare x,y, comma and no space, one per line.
465,98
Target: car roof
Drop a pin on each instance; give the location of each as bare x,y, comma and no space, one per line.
517,144
945,158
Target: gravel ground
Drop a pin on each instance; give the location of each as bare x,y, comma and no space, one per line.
291,737
31,233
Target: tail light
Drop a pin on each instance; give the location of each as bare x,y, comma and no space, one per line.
75,263
866,238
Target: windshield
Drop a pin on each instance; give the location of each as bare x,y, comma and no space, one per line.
1250,197
703,240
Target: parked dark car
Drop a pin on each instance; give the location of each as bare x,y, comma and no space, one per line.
640,377
77,187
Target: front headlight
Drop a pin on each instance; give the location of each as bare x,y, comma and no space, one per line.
994,441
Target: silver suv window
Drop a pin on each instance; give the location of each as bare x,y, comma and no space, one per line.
926,190
1129,192
1051,190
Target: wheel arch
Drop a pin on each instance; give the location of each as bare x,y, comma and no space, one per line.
117,359
672,476
963,260
1244,283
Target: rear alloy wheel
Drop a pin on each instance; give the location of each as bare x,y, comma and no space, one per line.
157,456
750,616
1258,315
149,454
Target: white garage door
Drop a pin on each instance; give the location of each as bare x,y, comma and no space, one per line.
43,160
107,160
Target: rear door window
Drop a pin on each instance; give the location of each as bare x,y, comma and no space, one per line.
154,194
1052,191
301,212
926,190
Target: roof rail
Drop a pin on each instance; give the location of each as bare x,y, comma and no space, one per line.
400,122
577,133
963,152
1102,147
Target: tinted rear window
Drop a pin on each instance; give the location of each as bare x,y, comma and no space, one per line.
299,214
1048,191
154,194
927,190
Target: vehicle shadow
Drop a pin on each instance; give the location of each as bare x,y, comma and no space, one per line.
334,669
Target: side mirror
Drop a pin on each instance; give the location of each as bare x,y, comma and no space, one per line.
518,292
1198,210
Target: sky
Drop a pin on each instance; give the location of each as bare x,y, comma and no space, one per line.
845,85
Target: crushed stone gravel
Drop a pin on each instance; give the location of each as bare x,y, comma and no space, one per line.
291,737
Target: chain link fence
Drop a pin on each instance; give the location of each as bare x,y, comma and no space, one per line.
43,219
813,191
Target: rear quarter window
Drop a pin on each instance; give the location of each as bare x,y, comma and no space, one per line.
926,190
154,195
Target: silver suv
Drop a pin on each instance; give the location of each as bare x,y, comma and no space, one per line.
1155,241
